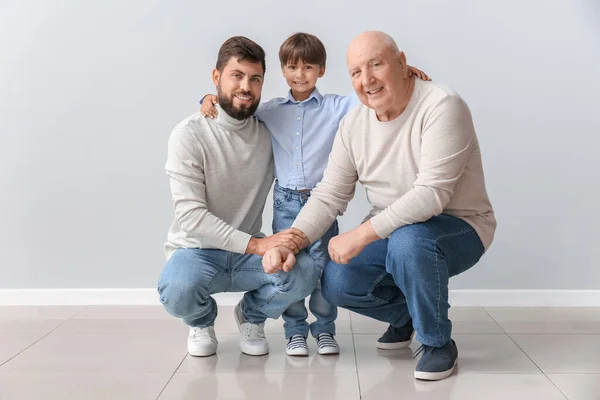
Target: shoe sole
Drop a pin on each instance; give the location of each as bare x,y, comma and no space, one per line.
254,352
434,376
328,352
396,345
296,353
202,354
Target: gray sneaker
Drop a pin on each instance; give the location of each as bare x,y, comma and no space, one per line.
396,338
436,363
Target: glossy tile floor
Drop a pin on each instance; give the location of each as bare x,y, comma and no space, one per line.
139,352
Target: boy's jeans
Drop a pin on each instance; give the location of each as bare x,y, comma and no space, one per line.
406,275
287,204
192,275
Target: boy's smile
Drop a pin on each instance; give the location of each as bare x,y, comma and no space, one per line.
302,78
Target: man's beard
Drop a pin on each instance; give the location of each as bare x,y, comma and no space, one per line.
239,113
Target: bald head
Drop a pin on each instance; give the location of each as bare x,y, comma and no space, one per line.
379,73
370,40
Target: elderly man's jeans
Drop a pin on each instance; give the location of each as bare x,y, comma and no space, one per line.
192,275
406,275
287,204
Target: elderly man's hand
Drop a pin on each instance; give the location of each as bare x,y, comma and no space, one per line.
278,259
345,247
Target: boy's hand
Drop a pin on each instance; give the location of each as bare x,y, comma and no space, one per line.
208,106
278,259
416,72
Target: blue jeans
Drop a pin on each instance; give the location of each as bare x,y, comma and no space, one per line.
192,275
287,204
406,276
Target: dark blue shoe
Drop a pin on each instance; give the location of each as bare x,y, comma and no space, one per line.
396,338
436,363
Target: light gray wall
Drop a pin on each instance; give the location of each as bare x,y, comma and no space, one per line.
89,92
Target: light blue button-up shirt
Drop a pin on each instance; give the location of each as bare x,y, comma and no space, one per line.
302,134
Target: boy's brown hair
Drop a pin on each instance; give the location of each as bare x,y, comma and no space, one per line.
243,49
302,46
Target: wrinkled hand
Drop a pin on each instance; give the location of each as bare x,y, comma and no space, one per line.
292,238
418,73
208,106
278,259
345,247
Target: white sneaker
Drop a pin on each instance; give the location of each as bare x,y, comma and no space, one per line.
296,346
326,344
253,340
202,342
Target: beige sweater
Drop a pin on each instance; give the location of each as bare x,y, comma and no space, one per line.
220,172
425,162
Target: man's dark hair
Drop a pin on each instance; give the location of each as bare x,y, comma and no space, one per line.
243,49
302,46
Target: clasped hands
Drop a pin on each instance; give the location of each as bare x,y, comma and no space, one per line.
342,248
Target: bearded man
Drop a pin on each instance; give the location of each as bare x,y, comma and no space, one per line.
221,171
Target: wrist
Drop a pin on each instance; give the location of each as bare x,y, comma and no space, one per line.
367,234
253,246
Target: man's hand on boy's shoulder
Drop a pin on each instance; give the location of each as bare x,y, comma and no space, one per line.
207,108
418,73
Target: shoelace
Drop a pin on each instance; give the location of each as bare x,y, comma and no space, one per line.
200,333
254,331
423,349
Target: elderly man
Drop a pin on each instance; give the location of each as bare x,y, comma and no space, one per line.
413,147
220,172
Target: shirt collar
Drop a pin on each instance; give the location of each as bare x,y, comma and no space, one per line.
314,95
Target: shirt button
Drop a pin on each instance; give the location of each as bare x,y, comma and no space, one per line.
298,118
297,133
297,163
297,147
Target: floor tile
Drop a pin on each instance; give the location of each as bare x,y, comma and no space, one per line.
78,386
558,354
34,319
547,319
38,312
464,320
264,387
63,353
578,386
229,359
13,344
394,385
478,354
30,325
552,314
124,312
124,326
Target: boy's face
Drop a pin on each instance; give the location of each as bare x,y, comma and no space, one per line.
239,86
302,77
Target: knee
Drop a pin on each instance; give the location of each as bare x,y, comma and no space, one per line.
333,285
410,248
303,278
179,297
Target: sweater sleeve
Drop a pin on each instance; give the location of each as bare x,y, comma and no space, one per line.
185,168
331,196
446,143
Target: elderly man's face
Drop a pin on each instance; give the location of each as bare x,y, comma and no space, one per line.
239,86
378,74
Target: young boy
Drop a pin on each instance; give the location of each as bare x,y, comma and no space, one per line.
303,125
